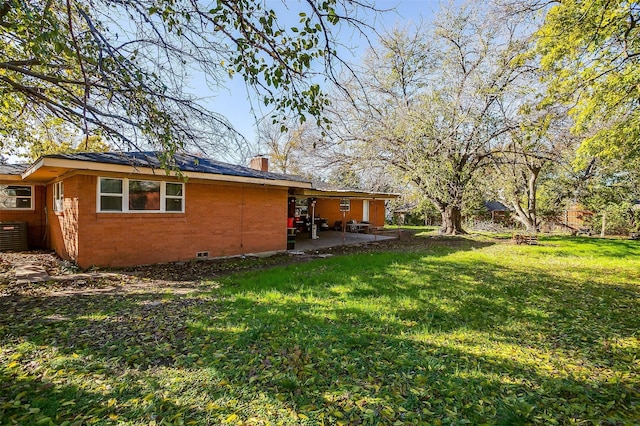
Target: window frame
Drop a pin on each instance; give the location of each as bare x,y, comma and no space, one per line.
30,197
121,195
159,192
58,196
125,196
345,204
164,197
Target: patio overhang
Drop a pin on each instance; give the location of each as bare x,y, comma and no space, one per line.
347,193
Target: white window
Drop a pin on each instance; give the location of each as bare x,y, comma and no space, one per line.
136,195
173,197
16,197
110,195
58,196
345,205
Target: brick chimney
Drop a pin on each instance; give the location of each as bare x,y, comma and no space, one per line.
260,163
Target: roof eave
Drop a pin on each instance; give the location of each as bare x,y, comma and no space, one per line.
5,177
314,192
66,164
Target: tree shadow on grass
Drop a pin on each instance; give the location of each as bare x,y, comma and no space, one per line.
46,399
311,343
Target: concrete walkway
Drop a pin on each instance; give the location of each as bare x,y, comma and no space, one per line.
328,239
30,273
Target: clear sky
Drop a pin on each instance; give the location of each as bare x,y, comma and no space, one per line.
236,102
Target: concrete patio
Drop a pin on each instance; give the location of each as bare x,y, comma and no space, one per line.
328,239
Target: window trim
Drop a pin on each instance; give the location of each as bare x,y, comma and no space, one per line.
31,198
164,197
160,191
125,196
58,196
345,204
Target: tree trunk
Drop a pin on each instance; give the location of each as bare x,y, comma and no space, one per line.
451,221
604,224
529,217
523,217
533,195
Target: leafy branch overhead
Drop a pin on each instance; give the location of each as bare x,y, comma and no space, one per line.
124,67
591,53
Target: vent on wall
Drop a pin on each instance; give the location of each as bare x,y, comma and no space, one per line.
13,236
202,254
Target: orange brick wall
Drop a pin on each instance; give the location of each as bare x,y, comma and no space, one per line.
223,219
329,208
35,218
63,226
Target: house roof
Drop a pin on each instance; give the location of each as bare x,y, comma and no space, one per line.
325,190
185,162
50,166
495,206
12,169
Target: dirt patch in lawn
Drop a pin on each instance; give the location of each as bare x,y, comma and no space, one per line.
179,277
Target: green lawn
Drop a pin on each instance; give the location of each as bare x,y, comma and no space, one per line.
460,332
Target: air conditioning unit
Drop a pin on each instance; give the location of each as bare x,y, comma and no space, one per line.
13,236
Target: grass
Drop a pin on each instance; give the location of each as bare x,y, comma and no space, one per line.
462,332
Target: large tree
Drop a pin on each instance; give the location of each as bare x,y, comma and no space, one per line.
431,105
591,52
288,144
537,148
123,67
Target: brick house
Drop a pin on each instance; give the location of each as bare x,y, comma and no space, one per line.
122,209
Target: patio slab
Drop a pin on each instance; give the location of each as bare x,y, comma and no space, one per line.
328,239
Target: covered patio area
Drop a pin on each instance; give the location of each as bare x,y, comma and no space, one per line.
328,239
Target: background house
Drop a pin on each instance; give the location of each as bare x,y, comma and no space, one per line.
497,212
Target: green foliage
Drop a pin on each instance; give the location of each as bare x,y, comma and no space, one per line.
57,137
459,332
123,67
619,219
345,176
551,204
590,50
613,192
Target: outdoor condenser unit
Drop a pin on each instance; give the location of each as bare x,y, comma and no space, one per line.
13,236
